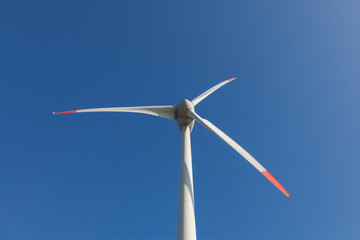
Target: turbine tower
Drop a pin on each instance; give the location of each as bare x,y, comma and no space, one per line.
185,115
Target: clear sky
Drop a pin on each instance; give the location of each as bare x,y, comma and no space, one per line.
294,107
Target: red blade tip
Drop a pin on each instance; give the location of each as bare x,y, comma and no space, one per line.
74,111
275,182
231,79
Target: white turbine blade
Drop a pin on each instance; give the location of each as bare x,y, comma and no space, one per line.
239,149
160,111
210,91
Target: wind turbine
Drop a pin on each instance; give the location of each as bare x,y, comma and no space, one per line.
185,115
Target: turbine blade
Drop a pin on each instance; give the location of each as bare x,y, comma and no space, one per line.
239,149
167,112
210,91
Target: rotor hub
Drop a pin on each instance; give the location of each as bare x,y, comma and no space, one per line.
183,119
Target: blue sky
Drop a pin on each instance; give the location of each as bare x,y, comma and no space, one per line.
294,107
